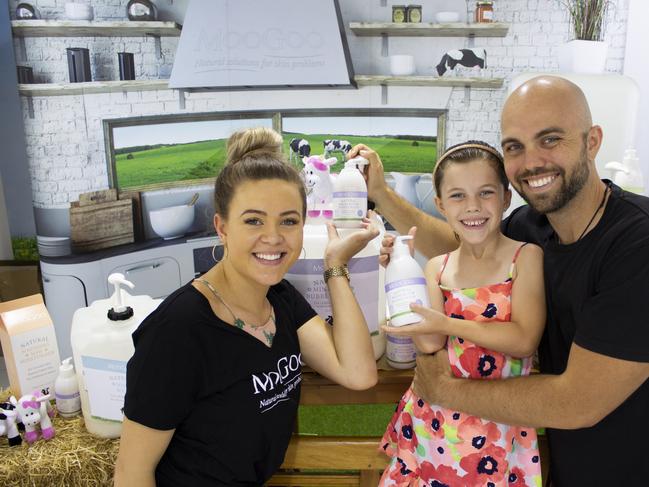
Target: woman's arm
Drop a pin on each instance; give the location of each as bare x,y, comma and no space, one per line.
342,353
140,450
518,337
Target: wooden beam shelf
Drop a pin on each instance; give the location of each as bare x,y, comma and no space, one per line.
91,87
90,28
381,80
411,29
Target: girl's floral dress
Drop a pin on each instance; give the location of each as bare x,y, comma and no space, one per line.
435,446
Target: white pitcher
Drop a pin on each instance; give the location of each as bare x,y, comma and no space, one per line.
406,187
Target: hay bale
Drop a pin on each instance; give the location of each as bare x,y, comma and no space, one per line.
72,458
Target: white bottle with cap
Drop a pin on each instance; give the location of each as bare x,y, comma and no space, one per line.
102,345
66,390
350,195
627,174
400,352
404,284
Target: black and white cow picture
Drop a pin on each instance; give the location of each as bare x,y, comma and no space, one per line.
335,145
468,58
299,148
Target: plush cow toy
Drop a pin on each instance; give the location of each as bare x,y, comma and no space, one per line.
335,145
34,410
468,58
8,423
319,185
298,148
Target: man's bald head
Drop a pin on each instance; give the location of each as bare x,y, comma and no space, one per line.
544,91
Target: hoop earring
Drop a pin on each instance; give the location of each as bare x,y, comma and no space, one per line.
214,256
303,253
457,237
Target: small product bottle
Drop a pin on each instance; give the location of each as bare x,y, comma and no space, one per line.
404,284
400,352
66,390
350,195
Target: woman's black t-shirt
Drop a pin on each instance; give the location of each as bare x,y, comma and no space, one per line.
230,398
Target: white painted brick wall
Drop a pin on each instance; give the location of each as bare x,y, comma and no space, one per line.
65,142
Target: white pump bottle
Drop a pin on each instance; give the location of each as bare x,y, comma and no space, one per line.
102,345
66,390
350,195
404,284
627,174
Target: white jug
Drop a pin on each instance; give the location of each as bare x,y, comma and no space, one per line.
406,186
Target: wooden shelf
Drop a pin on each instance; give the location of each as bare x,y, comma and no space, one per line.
381,80
89,28
57,89
410,29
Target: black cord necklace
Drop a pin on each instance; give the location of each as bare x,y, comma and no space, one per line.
592,218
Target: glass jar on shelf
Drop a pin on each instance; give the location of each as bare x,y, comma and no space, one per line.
484,11
413,12
398,13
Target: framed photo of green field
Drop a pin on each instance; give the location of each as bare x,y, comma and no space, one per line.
154,152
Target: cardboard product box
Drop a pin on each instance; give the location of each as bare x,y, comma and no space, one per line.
28,341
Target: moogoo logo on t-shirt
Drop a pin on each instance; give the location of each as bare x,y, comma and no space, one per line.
279,381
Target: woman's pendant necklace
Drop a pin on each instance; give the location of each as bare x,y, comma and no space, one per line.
238,322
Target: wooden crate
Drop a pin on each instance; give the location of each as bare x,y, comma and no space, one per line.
99,220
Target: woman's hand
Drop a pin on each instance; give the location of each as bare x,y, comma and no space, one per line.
433,322
388,243
373,172
340,250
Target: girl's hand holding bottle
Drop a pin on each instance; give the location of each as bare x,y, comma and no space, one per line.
433,322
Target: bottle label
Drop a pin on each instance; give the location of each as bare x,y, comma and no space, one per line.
401,293
400,350
105,381
349,206
306,276
68,404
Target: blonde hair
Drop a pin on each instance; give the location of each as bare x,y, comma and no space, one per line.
254,154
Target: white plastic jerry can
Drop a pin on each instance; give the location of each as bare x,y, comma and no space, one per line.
366,277
101,346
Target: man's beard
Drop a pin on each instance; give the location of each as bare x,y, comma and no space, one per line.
569,188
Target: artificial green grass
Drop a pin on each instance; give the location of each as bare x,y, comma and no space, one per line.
346,420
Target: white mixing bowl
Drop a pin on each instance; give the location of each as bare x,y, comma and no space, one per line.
173,221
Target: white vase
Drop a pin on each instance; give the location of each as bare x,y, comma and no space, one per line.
582,57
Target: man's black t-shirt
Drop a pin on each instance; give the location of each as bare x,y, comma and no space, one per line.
230,398
596,289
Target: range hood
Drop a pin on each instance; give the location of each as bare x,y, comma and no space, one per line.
261,44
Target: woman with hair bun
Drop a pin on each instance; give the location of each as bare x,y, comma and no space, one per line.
213,387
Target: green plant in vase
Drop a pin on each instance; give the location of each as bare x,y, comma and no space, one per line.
587,52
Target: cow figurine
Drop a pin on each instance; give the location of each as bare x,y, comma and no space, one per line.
335,145
34,410
319,186
298,149
9,423
468,58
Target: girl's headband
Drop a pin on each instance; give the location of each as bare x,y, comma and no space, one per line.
469,145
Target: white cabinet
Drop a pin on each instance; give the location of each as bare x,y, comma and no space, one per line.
154,277
63,296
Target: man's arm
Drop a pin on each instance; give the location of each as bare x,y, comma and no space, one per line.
591,387
434,236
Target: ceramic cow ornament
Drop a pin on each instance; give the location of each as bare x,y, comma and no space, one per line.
34,410
468,58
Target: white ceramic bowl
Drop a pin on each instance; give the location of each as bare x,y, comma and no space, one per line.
173,221
78,11
447,17
402,65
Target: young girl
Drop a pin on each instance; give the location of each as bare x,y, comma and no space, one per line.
213,387
488,308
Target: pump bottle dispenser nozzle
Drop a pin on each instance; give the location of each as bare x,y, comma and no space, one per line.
119,311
